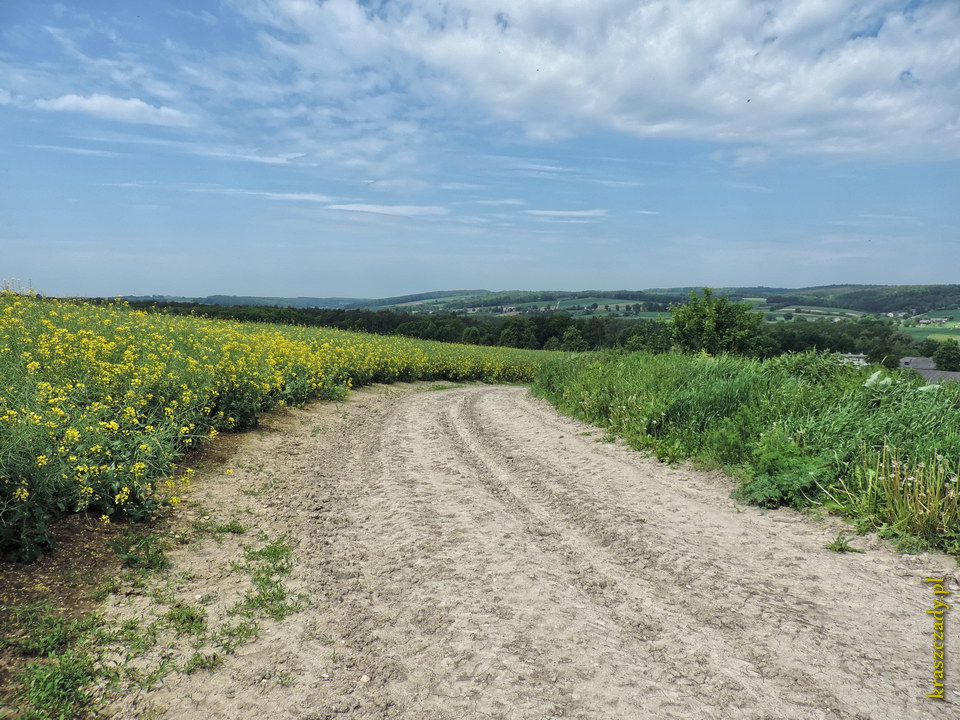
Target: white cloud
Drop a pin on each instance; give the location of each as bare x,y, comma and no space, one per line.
875,77
399,210
750,187
77,151
283,159
297,197
647,212
398,184
5,97
460,186
269,195
505,201
567,213
203,16
132,110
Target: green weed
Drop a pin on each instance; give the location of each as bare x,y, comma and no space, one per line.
141,551
840,544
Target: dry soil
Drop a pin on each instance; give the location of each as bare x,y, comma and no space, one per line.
469,553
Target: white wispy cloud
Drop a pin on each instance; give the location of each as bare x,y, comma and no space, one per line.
460,186
750,187
282,159
614,183
203,16
128,110
505,201
895,218
647,212
5,97
398,210
266,194
567,213
242,154
297,197
77,151
541,167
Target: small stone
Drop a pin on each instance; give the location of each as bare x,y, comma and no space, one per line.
364,678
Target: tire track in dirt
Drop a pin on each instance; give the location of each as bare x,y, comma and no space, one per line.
469,553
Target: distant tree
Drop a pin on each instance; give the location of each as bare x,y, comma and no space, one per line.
471,336
788,316
594,306
947,356
573,340
715,325
552,343
647,335
927,347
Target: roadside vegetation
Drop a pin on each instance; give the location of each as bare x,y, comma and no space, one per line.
68,664
99,402
800,430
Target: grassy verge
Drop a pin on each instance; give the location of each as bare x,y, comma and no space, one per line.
69,665
878,447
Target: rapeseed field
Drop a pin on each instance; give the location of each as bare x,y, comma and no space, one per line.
98,402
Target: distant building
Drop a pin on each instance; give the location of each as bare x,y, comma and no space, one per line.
859,360
918,363
926,367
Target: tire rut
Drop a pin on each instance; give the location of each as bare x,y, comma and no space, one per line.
470,553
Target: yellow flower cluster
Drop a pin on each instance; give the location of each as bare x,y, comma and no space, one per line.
98,401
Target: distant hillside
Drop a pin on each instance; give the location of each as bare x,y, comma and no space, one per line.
418,297
297,302
911,299
304,302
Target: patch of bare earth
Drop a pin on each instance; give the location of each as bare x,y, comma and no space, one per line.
468,553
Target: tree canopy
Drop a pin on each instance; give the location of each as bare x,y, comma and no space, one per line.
715,325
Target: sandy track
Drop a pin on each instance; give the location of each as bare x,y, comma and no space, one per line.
471,554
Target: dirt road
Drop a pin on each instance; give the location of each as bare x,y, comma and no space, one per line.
469,553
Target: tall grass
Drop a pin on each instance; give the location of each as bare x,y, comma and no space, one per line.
796,430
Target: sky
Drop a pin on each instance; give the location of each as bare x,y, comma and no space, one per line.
373,148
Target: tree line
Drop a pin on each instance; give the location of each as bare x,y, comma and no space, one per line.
704,322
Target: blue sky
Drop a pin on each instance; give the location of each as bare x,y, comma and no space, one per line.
297,147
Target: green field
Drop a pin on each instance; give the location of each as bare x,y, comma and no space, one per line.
954,313
934,332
